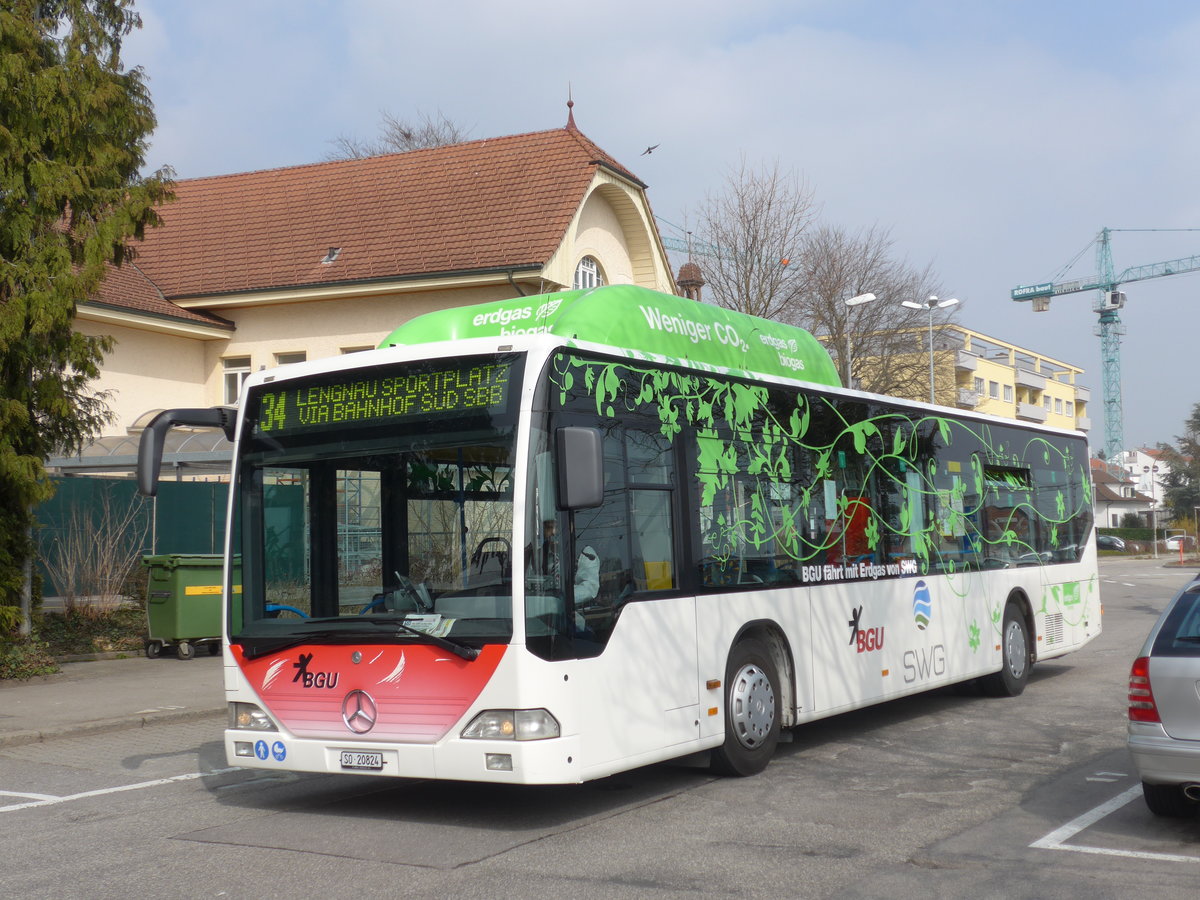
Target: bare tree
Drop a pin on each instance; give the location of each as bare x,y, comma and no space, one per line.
879,346
754,229
96,548
398,135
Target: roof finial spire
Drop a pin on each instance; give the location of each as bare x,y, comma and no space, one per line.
570,109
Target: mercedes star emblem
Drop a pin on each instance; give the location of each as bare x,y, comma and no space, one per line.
358,712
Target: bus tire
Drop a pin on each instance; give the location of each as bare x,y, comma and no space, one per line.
751,710
1015,655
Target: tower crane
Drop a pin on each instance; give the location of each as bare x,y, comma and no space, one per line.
686,244
1108,304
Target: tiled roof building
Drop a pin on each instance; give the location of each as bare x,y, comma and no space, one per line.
255,269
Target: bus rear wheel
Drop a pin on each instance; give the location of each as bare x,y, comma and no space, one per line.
751,710
1015,656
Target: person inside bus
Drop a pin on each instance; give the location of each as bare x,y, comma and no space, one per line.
587,566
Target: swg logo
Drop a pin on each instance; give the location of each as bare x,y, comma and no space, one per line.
922,604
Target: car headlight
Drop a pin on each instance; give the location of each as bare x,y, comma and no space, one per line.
512,725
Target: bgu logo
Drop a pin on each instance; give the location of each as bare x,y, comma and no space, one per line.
312,679
867,639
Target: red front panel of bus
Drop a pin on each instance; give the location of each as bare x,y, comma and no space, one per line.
418,691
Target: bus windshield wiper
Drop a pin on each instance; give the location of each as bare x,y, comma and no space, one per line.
458,649
254,647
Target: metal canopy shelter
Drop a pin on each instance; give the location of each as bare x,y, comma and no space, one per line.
189,451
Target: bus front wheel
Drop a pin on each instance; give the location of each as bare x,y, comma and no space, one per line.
751,710
1015,656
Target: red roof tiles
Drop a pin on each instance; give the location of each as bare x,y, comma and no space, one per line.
127,288
482,205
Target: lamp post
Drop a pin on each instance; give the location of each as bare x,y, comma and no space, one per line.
853,301
931,303
1152,471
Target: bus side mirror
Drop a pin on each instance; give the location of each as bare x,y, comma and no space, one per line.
580,467
150,447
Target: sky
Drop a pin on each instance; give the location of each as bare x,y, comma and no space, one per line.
993,139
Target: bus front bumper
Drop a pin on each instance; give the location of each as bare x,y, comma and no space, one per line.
551,761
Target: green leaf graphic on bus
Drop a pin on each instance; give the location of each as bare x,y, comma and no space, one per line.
784,478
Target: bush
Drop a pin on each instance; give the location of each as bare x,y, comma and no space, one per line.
25,659
88,630
10,621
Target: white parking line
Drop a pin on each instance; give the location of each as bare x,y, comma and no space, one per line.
27,796
1056,839
48,800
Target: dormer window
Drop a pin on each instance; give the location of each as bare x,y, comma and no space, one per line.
587,274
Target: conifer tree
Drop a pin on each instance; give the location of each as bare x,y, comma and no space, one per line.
73,131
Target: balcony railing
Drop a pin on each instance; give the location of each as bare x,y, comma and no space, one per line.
1031,412
1029,379
966,361
968,399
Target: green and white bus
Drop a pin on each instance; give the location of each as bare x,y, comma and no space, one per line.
551,538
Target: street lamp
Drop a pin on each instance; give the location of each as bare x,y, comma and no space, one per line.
1152,471
930,304
853,301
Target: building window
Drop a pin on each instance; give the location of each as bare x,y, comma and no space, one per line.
286,359
1046,398
1070,408
1008,393
1058,406
979,386
346,350
587,274
237,370
994,390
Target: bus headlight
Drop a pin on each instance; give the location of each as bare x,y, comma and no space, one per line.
248,717
512,725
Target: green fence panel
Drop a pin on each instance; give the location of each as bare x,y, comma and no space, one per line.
191,517
188,517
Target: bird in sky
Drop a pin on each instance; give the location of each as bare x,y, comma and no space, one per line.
649,150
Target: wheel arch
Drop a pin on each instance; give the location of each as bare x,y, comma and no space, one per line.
772,635
1020,599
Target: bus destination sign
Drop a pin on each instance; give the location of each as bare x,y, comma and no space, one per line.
480,387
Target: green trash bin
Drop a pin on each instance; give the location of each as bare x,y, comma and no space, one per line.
183,603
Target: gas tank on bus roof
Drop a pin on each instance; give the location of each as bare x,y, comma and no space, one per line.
641,323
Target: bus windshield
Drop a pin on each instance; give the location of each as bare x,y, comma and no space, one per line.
377,506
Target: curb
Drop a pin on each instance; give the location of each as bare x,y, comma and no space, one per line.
101,726
100,654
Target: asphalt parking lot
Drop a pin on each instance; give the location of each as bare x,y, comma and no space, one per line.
946,794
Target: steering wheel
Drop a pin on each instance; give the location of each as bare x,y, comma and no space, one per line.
504,554
387,600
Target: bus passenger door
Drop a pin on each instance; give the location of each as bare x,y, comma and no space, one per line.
643,677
